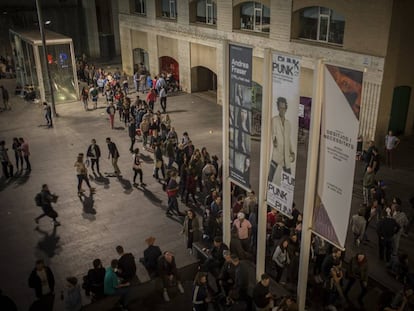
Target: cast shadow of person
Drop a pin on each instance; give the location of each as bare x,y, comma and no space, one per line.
49,244
21,178
125,183
100,180
89,211
150,196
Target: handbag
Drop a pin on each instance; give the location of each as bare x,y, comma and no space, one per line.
158,164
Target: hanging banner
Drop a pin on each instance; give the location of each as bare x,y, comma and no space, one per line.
284,136
339,130
240,83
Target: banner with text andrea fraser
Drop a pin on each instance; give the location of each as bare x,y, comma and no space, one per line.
240,104
284,127
339,130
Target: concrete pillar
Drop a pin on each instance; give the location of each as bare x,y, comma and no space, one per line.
183,14
280,19
92,35
126,50
153,53
184,61
224,15
221,79
115,23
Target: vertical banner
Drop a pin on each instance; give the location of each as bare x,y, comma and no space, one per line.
240,93
284,132
339,130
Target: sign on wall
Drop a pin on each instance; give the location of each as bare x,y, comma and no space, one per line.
240,83
339,130
284,132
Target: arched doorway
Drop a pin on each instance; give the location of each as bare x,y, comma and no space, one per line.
203,79
140,56
169,65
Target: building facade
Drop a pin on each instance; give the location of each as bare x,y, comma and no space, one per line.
189,39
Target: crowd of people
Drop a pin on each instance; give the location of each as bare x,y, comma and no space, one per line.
195,177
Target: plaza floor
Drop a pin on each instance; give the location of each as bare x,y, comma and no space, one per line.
119,213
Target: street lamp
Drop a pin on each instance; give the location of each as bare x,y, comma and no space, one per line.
42,35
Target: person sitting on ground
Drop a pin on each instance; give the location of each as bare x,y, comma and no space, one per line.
151,255
167,269
94,280
112,287
127,268
73,298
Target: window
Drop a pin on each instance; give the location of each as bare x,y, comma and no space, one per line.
168,9
140,7
321,24
254,16
206,12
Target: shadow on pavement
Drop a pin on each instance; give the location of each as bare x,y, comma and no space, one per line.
119,128
100,180
150,196
22,178
49,244
89,211
146,158
126,184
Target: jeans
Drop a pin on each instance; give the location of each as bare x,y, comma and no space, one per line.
82,178
19,159
351,282
115,165
7,169
385,248
132,144
163,103
111,120
28,165
93,162
172,204
138,172
49,120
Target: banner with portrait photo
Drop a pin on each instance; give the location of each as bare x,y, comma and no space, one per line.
284,132
240,104
341,102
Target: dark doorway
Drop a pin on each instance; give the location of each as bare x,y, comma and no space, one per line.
203,79
399,109
169,66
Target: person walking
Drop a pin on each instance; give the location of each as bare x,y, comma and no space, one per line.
201,297
82,174
151,98
113,154
132,132
48,114
386,229
358,271
191,229
358,225
42,280
281,258
17,153
5,95
5,161
159,162
94,153
136,167
44,199
84,97
368,182
110,110
167,270
163,99
24,147
172,191
391,143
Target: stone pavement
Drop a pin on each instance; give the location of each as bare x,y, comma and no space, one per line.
119,213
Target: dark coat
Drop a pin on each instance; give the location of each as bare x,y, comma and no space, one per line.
36,283
97,151
113,150
151,255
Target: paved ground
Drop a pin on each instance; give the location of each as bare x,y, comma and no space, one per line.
119,213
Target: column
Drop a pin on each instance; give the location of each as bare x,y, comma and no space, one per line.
92,35
184,61
126,50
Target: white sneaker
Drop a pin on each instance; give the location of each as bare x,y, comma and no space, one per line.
180,288
165,296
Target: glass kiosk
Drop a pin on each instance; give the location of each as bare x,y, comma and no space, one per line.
31,70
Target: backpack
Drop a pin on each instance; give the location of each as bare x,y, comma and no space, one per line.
38,199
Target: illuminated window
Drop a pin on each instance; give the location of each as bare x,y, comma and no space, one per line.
254,16
321,24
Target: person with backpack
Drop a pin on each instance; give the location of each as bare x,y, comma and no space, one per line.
44,199
110,110
93,92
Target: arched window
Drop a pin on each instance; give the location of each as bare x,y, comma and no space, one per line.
321,24
254,16
206,12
